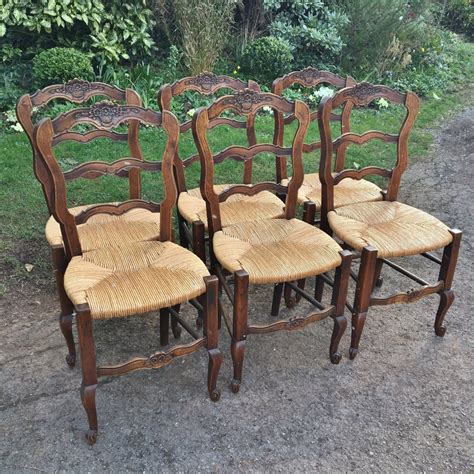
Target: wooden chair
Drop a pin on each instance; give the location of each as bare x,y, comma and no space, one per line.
386,229
191,205
103,229
350,190
267,250
136,277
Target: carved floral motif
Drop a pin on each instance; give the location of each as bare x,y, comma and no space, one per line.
158,360
363,92
77,88
105,112
308,75
205,80
246,98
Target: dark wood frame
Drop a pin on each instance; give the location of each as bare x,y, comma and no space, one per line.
106,116
248,102
205,83
310,78
76,91
371,266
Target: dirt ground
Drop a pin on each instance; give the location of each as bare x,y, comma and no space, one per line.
405,403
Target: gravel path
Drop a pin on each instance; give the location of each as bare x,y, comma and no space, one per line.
405,404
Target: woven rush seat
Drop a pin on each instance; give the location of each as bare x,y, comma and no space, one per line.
276,250
104,230
395,229
136,278
237,208
348,191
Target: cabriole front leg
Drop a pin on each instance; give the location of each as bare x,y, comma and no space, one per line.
67,308
239,333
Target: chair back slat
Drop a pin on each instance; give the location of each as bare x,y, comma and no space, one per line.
105,116
309,78
89,136
78,92
361,95
242,153
96,169
247,103
206,84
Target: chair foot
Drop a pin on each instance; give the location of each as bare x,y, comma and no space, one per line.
237,350
358,321
446,300
215,361
65,323
199,322
353,353
88,401
91,437
175,328
235,386
340,325
379,282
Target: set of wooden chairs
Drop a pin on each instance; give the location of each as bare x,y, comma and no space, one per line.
117,259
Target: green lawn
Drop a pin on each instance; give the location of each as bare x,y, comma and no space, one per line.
23,212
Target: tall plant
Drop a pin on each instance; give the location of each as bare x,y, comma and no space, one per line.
199,27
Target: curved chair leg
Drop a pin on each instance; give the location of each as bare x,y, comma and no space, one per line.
175,327
277,291
164,326
211,332
67,308
290,299
183,238
446,300
446,274
378,279
89,371
340,325
339,296
319,288
199,240
239,336
362,296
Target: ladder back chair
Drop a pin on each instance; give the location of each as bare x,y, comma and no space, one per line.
191,205
104,228
350,191
266,250
386,229
137,277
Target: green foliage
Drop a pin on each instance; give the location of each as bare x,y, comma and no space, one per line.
266,58
59,65
459,16
310,28
113,30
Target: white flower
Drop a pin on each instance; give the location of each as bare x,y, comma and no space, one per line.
17,127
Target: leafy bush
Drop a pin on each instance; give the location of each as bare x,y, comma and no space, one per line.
112,29
266,58
58,65
459,16
311,29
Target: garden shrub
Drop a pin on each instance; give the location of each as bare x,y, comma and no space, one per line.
59,65
266,58
112,29
459,17
311,29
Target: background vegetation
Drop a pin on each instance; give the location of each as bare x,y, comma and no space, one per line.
421,45
408,44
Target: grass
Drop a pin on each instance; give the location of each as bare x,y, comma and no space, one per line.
23,212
